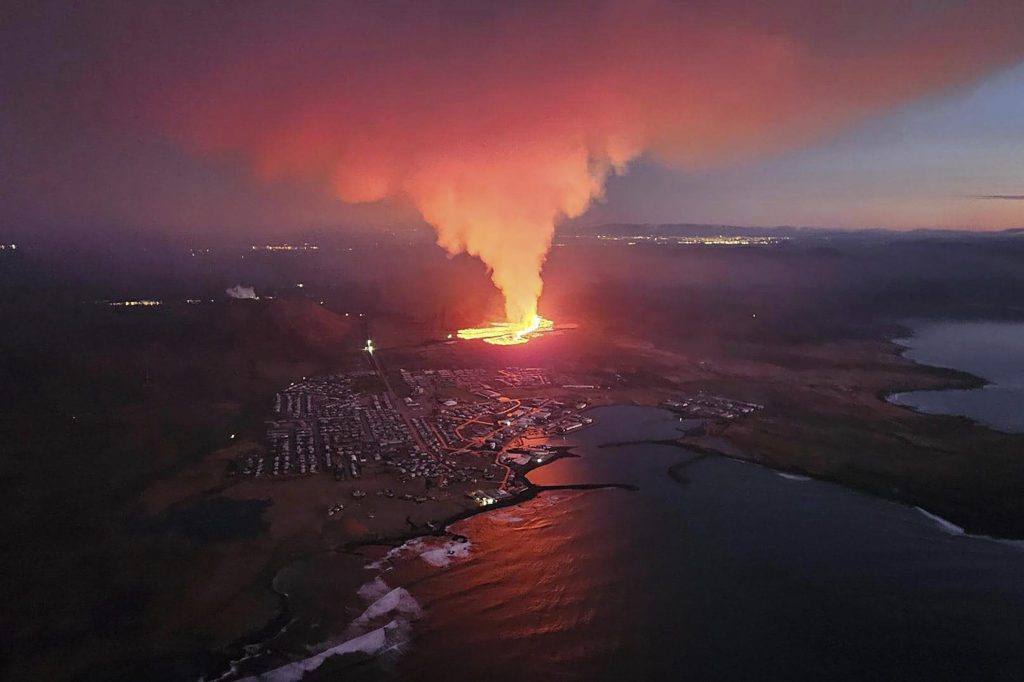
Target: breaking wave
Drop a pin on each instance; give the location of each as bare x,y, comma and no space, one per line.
373,590
436,552
395,608
373,642
504,517
942,523
397,602
952,529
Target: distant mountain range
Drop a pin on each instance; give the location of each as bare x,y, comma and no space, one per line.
697,230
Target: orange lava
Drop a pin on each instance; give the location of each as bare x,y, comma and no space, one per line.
508,333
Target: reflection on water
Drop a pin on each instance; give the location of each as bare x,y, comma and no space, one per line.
992,350
738,574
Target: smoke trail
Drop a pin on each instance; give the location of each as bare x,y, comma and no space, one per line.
497,122
239,291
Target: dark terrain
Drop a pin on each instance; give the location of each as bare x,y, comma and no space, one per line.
100,403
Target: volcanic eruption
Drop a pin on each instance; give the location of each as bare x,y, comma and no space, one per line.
498,121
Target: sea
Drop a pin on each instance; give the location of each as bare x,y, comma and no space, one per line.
710,569
993,351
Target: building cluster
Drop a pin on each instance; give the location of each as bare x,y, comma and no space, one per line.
331,425
524,457
704,405
326,425
490,420
323,424
488,496
486,383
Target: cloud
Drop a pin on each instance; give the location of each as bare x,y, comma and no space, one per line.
238,291
497,120
1002,197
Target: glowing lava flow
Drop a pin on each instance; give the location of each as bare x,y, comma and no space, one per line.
508,333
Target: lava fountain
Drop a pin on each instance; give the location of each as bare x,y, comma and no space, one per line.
496,121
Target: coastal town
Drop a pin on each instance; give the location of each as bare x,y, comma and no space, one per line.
431,432
707,406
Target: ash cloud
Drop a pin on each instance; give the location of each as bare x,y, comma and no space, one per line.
498,120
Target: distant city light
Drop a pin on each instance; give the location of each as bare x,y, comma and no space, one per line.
285,247
709,240
146,302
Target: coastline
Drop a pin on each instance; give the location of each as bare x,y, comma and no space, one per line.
962,396
952,465
901,376
963,380
698,445
238,651
704,451
959,379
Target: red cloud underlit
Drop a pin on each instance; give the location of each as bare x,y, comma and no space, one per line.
496,122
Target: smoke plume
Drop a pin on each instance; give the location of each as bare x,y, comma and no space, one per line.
238,291
497,121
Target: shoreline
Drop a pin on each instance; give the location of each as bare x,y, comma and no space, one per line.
960,379
674,471
966,381
949,379
530,492
705,451
908,442
971,382
236,652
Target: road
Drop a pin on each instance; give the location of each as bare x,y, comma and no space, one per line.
514,404
376,366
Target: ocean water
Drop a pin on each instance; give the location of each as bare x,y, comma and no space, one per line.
991,350
739,573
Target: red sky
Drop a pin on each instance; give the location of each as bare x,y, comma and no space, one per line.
187,115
